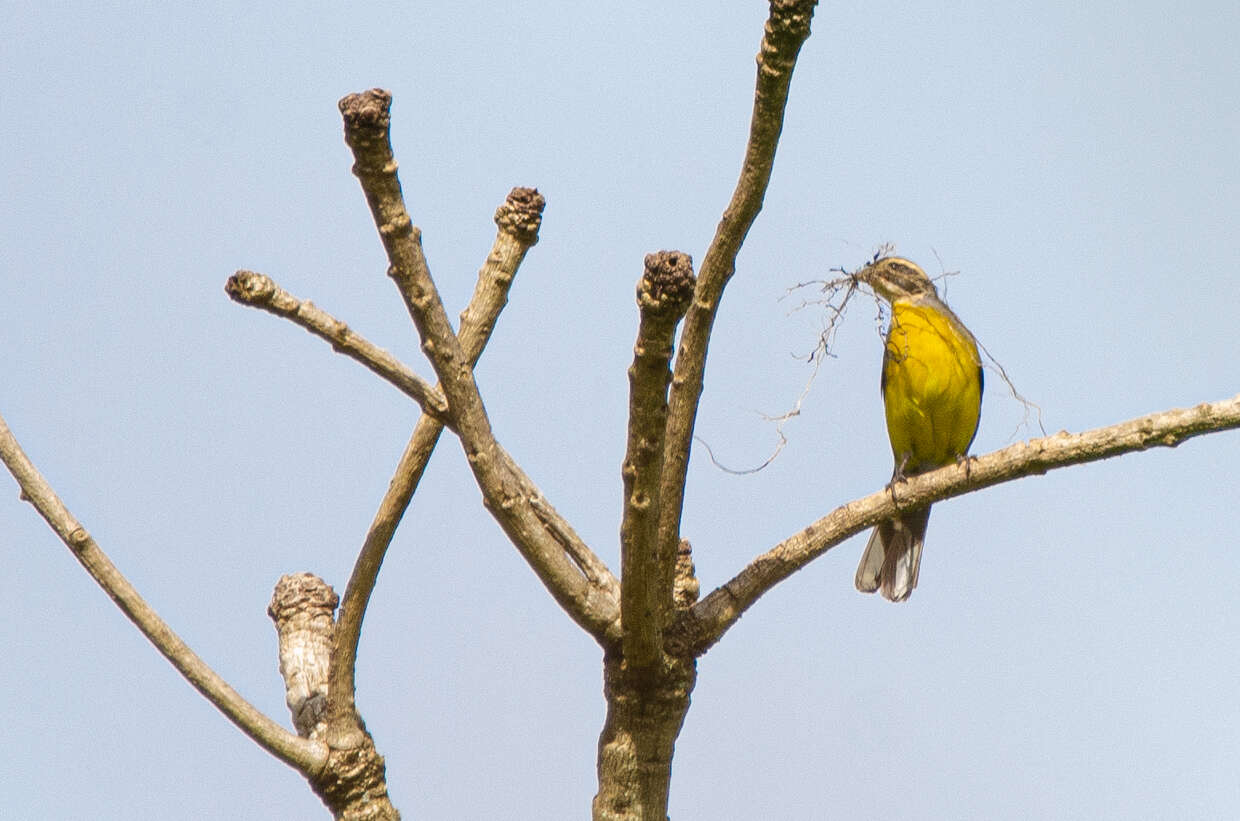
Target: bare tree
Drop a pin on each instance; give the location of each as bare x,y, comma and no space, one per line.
649,621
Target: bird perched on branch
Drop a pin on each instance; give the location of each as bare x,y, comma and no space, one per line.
932,393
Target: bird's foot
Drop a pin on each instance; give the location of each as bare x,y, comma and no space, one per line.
966,461
898,476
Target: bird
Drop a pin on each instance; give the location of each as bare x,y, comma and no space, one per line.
931,386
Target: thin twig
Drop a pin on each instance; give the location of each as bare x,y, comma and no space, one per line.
306,756
839,292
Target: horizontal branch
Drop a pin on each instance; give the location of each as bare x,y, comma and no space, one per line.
699,628
308,757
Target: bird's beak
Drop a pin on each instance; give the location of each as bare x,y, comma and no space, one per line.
876,281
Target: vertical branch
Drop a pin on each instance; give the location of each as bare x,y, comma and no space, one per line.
518,220
635,748
646,573
302,608
648,693
367,123
571,572
786,30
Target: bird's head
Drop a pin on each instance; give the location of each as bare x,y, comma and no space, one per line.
895,278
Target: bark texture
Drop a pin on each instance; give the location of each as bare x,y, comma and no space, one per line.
663,295
353,782
572,573
645,711
353,785
302,607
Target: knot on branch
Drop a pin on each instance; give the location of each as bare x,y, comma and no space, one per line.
666,286
685,587
250,288
354,783
302,608
79,539
521,214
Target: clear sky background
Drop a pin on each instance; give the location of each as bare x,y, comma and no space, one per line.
1071,650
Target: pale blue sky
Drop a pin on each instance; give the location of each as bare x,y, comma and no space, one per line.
1071,650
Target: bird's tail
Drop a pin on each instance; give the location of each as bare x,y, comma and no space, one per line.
892,557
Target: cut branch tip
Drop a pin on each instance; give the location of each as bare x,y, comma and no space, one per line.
250,288
667,284
521,214
370,109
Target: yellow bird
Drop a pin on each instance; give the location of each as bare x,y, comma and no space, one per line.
932,393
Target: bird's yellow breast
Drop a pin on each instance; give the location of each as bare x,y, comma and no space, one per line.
932,385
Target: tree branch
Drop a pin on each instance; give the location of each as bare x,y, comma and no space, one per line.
699,628
663,296
306,756
518,219
303,609
353,783
507,492
786,30
259,291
